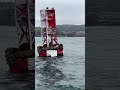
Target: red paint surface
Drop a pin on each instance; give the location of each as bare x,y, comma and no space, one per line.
42,54
59,51
20,66
51,19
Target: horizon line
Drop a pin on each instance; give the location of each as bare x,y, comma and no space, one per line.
65,24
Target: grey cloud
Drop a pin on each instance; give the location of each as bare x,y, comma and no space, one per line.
67,11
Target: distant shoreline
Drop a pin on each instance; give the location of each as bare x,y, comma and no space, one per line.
66,30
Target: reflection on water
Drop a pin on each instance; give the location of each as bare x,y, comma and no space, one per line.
52,73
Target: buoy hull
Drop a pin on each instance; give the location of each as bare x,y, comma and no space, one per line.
50,53
20,66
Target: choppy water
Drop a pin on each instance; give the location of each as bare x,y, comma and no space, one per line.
62,73
9,81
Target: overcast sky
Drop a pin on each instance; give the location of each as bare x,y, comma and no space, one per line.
67,11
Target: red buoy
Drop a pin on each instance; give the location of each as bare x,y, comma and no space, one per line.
19,66
50,46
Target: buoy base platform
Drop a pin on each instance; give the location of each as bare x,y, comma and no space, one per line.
51,51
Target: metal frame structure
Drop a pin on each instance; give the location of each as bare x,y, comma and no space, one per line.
25,19
48,26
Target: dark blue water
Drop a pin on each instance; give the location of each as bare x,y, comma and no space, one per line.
62,73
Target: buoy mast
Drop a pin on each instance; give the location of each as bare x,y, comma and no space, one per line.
49,35
25,19
48,26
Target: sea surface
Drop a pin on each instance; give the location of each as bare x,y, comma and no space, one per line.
10,81
62,73
57,73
